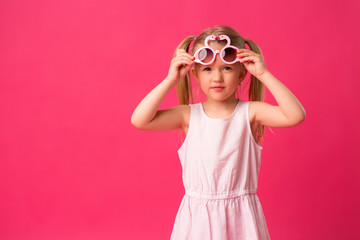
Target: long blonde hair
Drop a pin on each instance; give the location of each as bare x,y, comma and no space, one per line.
256,88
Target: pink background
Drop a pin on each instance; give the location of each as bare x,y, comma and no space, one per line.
72,73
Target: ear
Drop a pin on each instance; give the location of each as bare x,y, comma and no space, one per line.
194,73
242,74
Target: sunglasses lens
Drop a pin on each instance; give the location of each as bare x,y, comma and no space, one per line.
205,55
229,54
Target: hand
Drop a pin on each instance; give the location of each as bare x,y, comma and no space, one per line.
180,65
252,61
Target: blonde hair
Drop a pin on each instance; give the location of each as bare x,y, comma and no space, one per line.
256,88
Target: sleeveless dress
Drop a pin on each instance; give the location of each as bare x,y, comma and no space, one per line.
220,162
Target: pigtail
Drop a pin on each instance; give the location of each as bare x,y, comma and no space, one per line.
256,89
183,87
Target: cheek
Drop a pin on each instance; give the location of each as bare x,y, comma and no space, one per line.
202,76
204,85
198,73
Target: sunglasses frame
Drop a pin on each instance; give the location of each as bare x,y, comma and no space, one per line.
212,37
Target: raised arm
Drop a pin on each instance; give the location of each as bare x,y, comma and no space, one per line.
146,116
289,113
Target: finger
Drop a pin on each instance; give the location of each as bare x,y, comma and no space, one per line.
240,50
185,58
240,55
189,63
182,57
178,63
177,52
246,54
246,59
186,65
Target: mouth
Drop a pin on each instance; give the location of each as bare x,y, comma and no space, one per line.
218,88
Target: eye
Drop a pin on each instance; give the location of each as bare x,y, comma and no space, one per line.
207,68
228,68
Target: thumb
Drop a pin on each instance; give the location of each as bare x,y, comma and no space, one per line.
185,69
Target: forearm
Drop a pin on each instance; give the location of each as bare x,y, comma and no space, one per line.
288,103
147,108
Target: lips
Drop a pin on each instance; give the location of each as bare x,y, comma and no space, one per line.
218,89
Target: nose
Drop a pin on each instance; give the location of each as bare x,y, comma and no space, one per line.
217,75
217,72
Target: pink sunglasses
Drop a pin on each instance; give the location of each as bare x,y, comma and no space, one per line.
206,55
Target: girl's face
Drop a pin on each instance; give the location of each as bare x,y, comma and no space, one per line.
218,73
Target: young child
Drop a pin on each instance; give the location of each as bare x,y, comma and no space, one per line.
221,154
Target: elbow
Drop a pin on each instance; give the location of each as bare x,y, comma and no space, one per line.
300,116
296,120
134,122
300,119
137,124
303,116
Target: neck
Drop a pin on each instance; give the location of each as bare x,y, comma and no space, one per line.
227,104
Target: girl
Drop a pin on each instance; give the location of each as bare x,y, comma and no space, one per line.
221,154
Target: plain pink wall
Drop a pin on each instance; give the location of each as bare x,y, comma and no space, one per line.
72,73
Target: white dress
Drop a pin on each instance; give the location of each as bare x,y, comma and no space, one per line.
220,160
